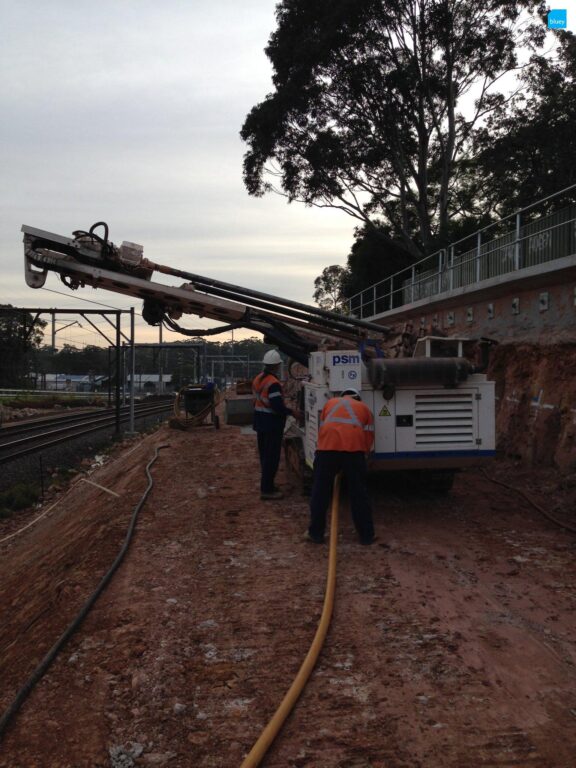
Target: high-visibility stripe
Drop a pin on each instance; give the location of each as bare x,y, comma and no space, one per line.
340,419
347,426
260,387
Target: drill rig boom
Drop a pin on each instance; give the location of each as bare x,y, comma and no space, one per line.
90,259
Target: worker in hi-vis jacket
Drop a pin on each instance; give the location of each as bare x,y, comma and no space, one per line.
270,414
345,438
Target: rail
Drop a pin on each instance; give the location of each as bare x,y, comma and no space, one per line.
491,252
23,440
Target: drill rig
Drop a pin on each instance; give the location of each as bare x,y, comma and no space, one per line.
433,411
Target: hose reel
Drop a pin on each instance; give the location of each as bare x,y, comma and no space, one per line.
388,374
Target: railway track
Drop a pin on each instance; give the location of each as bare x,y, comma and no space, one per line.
34,436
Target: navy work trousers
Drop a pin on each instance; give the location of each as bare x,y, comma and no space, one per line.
327,464
270,451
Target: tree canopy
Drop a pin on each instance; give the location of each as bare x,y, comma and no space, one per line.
372,258
527,149
328,286
20,335
367,110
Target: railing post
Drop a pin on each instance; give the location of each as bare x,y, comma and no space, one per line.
413,280
451,277
391,305
478,255
517,243
440,264
374,299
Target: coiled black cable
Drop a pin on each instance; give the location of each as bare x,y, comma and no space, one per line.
43,666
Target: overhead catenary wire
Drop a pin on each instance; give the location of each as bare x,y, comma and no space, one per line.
141,322
264,741
44,665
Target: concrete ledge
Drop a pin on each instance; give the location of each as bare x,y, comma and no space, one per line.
554,272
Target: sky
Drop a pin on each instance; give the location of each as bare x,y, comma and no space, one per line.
129,112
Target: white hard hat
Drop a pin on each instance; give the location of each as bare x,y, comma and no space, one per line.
272,357
351,391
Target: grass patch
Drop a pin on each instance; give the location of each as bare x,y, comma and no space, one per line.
50,401
19,496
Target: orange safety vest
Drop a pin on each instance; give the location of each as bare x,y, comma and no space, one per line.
346,425
260,387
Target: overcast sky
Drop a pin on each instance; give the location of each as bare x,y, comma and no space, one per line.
129,111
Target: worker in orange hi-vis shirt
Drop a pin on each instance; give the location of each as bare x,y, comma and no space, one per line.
345,438
270,414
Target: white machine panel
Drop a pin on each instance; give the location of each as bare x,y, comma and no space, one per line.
316,367
384,423
345,370
437,420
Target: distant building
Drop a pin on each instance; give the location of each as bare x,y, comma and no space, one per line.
144,383
64,382
150,383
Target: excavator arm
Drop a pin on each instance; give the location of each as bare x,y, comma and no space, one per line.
91,259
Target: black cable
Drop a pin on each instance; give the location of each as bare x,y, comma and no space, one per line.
43,666
274,331
100,224
542,511
174,326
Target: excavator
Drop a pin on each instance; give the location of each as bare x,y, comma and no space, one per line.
434,410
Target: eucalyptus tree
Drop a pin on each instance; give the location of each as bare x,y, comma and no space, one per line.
375,103
329,287
527,149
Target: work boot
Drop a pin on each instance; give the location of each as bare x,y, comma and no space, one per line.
272,495
314,539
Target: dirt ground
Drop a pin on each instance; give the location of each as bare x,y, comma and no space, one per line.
452,642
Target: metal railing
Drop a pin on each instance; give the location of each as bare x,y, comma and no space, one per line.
491,252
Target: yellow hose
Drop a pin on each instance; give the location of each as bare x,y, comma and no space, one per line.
271,730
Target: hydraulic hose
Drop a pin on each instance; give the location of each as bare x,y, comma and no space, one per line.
270,732
43,666
542,511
